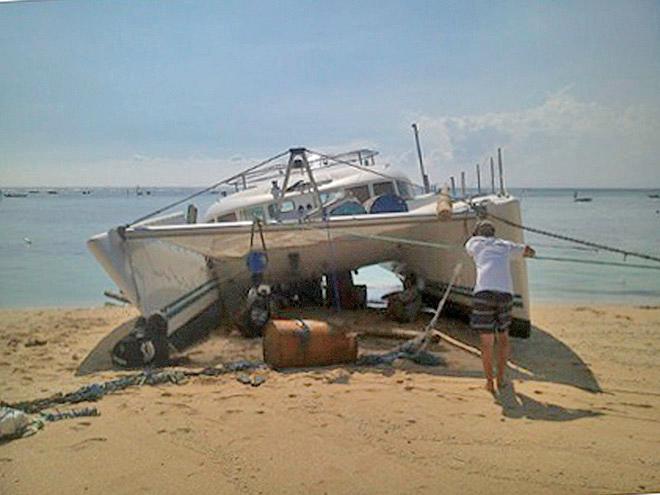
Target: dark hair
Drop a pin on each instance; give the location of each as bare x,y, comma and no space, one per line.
485,229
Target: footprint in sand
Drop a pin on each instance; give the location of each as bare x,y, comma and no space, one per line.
181,430
87,442
80,426
590,310
623,317
643,406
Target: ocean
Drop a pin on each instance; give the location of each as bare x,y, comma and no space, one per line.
44,261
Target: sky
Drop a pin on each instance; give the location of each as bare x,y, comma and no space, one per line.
186,92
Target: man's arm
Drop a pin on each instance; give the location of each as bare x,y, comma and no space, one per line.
471,245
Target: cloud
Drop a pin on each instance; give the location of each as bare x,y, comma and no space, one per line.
561,141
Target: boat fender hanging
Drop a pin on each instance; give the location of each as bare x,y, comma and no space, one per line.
443,206
257,259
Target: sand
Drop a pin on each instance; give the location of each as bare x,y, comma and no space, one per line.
582,414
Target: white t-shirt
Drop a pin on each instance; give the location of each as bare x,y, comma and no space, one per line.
492,255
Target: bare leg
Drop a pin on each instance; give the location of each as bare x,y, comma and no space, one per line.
502,356
487,340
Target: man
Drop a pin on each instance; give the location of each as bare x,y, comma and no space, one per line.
493,295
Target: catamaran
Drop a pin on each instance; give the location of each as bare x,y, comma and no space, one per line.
299,218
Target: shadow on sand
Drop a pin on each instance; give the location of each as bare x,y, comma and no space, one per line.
541,357
516,405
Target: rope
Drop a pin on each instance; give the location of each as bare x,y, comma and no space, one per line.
335,282
594,262
439,245
194,195
420,343
562,237
96,391
564,246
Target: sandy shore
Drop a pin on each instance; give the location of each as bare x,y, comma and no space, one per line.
583,415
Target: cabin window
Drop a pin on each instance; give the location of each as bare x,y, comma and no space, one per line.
254,213
329,197
404,189
286,207
360,192
348,208
381,188
227,217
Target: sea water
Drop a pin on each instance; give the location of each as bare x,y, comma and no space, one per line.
44,260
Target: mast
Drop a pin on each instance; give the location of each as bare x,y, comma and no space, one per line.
425,178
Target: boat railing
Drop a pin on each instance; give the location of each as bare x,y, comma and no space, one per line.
362,158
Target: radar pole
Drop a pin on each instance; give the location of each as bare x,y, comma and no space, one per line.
425,178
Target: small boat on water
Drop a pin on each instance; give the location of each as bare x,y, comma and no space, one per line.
579,199
654,196
299,219
52,191
15,195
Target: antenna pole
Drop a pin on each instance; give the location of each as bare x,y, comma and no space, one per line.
492,175
499,165
478,179
425,178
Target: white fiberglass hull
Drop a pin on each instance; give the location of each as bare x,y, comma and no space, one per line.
180,270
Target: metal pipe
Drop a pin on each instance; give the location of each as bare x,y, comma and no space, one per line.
499,166
425,178
478,179
453,186
463,183
492,175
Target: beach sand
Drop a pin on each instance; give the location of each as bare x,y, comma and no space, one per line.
582,414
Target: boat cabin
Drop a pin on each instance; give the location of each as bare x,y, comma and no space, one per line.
342,191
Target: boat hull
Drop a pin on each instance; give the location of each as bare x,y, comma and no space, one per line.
190,272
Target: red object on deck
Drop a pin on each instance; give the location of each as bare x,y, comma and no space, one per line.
302,343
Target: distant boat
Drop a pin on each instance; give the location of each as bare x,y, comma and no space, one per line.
52,191
654,196
34,191
580,200
15,195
